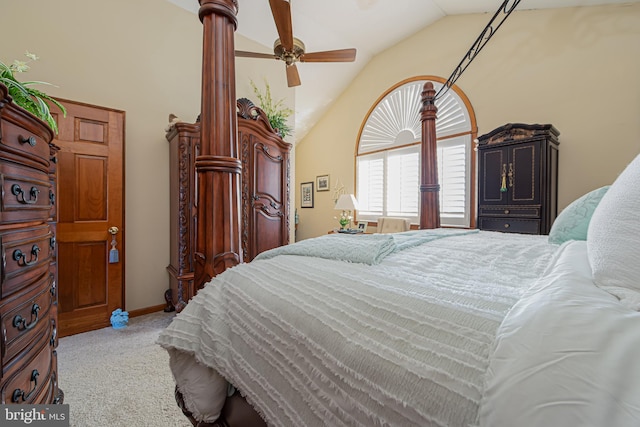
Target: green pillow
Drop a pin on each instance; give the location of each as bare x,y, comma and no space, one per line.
573,221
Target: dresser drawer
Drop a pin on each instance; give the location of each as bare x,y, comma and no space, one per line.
510,211
24,317
27,194
510,225
49,385
26,254
24,144
26,381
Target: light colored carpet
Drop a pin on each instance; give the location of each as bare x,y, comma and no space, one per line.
119,378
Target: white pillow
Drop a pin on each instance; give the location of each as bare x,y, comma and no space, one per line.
613,238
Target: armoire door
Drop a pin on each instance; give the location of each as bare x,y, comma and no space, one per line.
269,226
493,175
90,214
510,174
524,166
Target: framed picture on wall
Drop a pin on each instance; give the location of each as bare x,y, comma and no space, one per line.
306,195
322,183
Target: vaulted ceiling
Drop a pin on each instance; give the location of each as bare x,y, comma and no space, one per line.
370,26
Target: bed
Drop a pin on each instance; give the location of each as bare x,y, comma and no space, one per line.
432,327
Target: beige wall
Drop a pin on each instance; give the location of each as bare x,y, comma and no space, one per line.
143,57
577,68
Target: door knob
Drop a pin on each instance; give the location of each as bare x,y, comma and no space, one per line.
114,256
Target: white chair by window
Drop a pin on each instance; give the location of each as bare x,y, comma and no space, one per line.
388,224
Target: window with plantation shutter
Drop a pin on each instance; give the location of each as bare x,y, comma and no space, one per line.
388,160
371,186
455,185
402,182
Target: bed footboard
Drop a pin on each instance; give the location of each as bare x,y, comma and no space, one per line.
236,412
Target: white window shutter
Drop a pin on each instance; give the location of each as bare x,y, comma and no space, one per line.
370,171
403,183
454,179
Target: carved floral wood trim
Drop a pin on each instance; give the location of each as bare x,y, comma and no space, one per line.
515,132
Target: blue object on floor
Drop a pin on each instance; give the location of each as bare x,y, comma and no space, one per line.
119,319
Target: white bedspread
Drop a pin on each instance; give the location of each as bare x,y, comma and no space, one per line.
314,342
568,354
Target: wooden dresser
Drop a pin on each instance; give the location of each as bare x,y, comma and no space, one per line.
28,298
265,194
518,178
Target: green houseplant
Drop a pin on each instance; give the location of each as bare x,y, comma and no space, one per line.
25,96
276,112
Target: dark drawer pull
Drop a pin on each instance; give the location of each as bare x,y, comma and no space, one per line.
21,257
52,197
19,193
31,140
20,323
19,394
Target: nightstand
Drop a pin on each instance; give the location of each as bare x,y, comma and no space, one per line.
351,232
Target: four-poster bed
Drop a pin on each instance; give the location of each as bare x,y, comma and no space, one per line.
428,327
219,167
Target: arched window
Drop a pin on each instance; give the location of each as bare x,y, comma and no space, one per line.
388,155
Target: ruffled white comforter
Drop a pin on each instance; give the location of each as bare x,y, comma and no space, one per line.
313,342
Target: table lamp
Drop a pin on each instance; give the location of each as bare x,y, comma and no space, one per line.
346,203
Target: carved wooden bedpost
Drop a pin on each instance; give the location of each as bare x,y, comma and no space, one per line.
429,187
218,166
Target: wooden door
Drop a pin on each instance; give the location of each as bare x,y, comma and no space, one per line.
90,202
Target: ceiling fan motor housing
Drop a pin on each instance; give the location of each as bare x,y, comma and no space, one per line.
289,56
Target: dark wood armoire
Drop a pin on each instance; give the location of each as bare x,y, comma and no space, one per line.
28,286
264,191
518,178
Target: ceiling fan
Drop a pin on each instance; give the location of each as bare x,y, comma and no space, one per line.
290,49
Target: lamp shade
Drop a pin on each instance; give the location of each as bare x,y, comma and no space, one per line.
346,202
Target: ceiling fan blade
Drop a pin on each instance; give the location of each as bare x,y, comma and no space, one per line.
244,54
341,55
281,11
293,78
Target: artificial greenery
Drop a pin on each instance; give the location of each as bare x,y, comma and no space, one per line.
276,112
32,100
